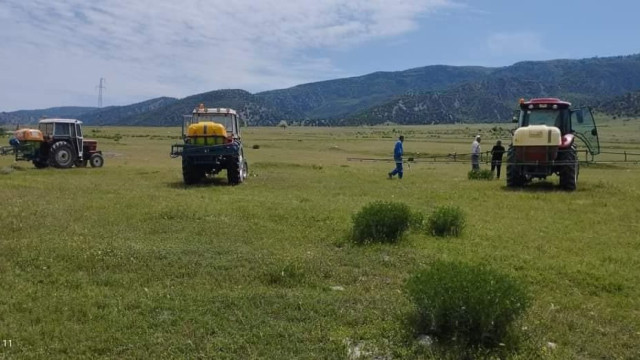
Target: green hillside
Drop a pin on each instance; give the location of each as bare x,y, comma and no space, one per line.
426,95
252,109
115,114
582,82
32,116
625,105
491,100
339,98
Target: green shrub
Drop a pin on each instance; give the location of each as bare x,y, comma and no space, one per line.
446,221
484,174
472,304
381,222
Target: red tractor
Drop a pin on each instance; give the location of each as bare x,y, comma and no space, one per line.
545,141
56,142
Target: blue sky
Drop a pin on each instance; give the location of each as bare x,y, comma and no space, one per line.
53,53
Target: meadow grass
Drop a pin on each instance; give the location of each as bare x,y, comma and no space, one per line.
125,261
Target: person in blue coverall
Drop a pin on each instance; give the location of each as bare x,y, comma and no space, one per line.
397,157
14,142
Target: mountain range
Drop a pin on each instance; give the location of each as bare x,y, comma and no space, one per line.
425,95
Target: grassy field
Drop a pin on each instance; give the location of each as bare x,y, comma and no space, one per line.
125,262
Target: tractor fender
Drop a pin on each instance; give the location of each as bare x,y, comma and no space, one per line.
567,141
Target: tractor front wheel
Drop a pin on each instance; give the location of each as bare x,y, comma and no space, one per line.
514,175
96,160
81,163
62,155
569,169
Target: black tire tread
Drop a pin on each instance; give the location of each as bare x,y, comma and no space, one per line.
59,146
569,170
514,177
40,164
96,156
234,176
191,174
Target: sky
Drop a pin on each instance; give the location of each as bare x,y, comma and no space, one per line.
53,53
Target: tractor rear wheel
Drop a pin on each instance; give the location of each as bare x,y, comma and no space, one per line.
191,174
96,160
514,176
237,171
62,155
569,169
245,171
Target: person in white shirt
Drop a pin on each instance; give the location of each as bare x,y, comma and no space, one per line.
475,154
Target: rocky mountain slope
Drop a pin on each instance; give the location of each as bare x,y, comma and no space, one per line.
426,95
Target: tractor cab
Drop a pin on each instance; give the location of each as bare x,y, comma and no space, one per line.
69,130
208,122
556,113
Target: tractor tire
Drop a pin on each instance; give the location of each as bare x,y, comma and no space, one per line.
514,175
237,171
245,172
40,164
191,174
569,169
62,155
96,160
81,163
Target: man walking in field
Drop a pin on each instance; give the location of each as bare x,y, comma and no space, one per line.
496,157
397,157
475,154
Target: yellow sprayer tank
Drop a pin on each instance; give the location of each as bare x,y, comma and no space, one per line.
536,143
29,135
30,141
537,135
207,133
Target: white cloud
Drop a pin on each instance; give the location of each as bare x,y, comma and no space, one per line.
57,50
520,44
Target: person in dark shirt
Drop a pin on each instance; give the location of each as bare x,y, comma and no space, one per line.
496,157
